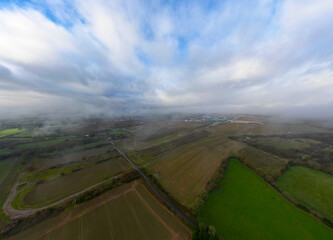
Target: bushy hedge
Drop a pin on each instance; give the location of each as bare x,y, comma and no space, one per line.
153,179
204,232
125,178
40,216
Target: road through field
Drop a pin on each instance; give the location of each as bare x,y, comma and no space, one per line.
156,191
17,213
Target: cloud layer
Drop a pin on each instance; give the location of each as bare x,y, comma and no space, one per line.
128,57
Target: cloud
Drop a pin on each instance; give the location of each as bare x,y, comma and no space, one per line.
123,57
28,37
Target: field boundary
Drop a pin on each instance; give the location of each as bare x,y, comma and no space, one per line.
279,191
70,219
160,194
180,220
220,175
284,137
13,213
21,224
73,193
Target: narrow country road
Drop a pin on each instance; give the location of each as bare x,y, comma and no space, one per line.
156,191
16,213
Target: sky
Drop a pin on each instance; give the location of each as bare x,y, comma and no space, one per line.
129,57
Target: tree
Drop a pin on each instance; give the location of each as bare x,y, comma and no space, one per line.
205,233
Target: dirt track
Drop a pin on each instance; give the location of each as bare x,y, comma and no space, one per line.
16,213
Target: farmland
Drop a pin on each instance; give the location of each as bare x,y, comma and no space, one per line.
186,172
59,145
9,132
8,176
79,148
5,152
166,120
285,144
271,126
266,165
310,188
42,144
246,207
56,188
8,170
150,153
155,133
312,150
4,167
91,154
127,212
185,161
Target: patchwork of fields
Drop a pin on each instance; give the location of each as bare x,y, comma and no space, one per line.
80,147
310,188
245,207
86,155
56,188
186,172
4,167
5,152
270,127
43,144
127,212
9,172
8,132
187,159
267,165
151,153
301,149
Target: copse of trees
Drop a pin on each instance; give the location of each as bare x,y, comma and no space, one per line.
203,232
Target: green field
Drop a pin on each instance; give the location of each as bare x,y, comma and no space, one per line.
6,180
87,155
127,212
61,140
8,132
59,187
80,147
5,152
25,133
42,144
4,166
284,144
246,207
40,175
309,188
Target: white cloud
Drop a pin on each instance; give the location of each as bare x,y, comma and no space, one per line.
26,36
134,54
